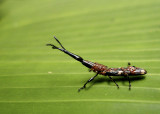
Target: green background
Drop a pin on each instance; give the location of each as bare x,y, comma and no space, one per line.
36,79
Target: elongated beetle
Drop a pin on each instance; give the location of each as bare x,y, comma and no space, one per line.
102,69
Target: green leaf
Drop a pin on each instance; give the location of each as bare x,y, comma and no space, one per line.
34,79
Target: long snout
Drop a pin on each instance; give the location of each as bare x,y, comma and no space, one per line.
140,71
143,71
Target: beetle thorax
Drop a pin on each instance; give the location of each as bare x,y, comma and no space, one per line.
99,68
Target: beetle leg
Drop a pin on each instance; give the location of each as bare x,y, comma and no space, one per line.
129,82
89,70
126,75
114,81
84,86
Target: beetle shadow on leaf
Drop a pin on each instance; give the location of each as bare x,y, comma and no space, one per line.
117,79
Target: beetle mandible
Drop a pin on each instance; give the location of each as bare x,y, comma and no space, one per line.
102,69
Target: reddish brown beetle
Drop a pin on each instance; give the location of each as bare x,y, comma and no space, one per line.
102,69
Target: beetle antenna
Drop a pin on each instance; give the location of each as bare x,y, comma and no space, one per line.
59,43
53,46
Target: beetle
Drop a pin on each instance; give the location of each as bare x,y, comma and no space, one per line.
100,69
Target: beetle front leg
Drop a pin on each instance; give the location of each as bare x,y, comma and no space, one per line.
114,82
84,86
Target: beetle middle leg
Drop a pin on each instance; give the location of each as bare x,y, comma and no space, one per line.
84,86
114,81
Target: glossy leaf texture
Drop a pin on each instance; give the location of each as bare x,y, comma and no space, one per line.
35,79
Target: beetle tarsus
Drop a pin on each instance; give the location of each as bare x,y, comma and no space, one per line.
129,87
81,88
84,86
